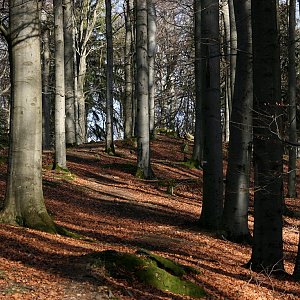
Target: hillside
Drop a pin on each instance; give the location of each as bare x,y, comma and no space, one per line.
109,208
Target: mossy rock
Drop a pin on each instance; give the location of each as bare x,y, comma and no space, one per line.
150,269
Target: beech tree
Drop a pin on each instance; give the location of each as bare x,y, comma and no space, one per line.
68,23
212,206
292,111
235,216
109,147
267,250
60,107
24,202
142,91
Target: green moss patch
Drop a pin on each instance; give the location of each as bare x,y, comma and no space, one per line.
150,269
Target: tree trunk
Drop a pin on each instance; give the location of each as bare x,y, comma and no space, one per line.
69,72
46,99
235,216
267,252
198,134
128,103
212,207
60,108
110,149
292,87
142,92
24,202
151,62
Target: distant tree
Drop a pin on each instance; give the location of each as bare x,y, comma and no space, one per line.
24,202
128,56
69,71
46,73
267,250
60,107
212,207
235,216
198,134
142,91
109,147
151,62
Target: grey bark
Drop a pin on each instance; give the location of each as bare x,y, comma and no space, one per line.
142,91
60,105
24,202
128,102
109,80
292,112
69,72
198,134
267,252
46,98
212,207
151,62
235,216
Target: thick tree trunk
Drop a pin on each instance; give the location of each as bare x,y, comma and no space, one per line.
267,250
198,134
235,216
151,62
292,87
24,202
110,149
212,207
128,103
60,107
69,72
142,92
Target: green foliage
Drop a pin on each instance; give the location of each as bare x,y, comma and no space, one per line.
150,269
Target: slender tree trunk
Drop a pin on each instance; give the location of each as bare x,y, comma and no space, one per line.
69,72
292,87
151,62
24,202
198,134
46,81
212,207
267,250
81,112
60,108
128,104
109,80
142,92
235,217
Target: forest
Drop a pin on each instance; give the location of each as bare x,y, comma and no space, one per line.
149,149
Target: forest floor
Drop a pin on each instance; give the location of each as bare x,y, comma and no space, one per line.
104,202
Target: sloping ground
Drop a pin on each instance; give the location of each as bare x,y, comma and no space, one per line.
112,209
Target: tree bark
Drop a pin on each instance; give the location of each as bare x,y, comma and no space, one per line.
46,99
267,250
109,148
69,72
292,87
151,62
212,207
60,107
198,134
128,103
24,202
142,92
235,216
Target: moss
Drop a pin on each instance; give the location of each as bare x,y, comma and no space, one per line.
139,173
65,232
148,268
192,164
